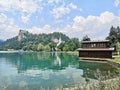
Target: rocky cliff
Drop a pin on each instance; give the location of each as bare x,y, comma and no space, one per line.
22,34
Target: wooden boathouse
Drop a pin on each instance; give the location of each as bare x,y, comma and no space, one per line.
100,50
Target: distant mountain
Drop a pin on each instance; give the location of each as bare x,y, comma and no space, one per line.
29,41
1,41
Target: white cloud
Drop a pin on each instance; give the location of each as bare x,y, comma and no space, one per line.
58,12
72,6
24,6
54,1
7,27
28,6
106,17
25,18
62,10
95,26
21,5
38,30
6,5
79,23
117,3
3,18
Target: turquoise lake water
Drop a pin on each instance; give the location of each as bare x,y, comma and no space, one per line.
35,70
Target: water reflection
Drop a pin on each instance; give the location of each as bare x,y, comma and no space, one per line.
90,69
57,61
46,69
54,61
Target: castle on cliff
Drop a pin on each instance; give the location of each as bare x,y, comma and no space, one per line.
22,34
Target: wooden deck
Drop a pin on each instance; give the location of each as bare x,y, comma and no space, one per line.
95,59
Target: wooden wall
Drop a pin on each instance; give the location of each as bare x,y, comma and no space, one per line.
96,54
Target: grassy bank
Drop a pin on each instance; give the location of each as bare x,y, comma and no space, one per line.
73,52
116,58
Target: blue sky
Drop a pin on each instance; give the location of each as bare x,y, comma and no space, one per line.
75,18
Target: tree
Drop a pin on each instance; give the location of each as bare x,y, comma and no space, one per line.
34,47
118,33
114,35
40,47
47,48
28,46
53,46
118,47
66,47
86,38
31,41
112,39
61,46
112,31
76,42
71,45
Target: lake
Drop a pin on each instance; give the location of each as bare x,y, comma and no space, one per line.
35,70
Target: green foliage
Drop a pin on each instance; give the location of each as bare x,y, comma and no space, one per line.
47,48
71,45
61,46
40,47
66,47
118,47
10,44
86,38
114,35
52,45
116,59
41,42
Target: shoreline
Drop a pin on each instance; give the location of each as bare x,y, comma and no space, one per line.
110,61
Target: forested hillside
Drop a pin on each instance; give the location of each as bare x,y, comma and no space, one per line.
40,42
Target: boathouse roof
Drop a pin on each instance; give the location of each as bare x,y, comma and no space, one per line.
96,41
95,49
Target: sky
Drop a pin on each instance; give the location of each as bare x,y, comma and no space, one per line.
75,18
